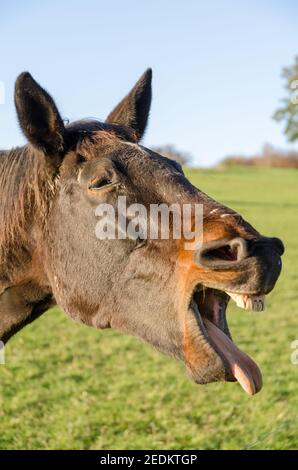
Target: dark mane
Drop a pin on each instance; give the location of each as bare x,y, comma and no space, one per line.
24,196
78,129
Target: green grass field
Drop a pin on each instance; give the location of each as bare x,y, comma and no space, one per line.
68,386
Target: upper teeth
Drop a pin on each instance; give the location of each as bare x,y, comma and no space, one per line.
249,302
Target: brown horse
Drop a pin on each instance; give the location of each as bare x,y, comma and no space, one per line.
171,297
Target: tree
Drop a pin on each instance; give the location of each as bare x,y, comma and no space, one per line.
288,112
171,152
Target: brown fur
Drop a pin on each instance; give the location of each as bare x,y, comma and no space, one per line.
49,252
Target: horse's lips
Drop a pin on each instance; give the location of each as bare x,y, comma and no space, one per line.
243,368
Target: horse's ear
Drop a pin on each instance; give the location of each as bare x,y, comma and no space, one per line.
133,110
38,116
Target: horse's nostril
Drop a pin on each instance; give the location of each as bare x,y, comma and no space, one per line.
240,245
222,252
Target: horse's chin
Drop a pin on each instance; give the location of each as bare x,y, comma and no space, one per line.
222,359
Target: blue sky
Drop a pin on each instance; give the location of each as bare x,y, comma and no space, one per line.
216,65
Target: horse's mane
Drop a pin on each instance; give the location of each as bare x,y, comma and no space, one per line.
24,192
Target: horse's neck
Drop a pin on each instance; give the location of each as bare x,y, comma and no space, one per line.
21,305
15,245
24,291
23,298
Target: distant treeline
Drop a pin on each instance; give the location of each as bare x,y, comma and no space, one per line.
170,151
269,157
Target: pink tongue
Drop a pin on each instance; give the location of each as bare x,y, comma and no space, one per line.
243,368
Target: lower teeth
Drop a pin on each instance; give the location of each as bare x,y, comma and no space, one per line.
249,302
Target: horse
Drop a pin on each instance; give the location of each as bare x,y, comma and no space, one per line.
156,289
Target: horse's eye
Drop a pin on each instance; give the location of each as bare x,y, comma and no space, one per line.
81,159
100,183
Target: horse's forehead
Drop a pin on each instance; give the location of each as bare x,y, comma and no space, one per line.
95,132
109,144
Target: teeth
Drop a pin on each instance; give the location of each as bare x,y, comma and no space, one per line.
256,303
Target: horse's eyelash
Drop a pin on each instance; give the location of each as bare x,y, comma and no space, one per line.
100,183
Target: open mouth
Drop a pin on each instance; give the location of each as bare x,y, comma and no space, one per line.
209,307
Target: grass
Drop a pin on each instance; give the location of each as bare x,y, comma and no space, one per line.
68,386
